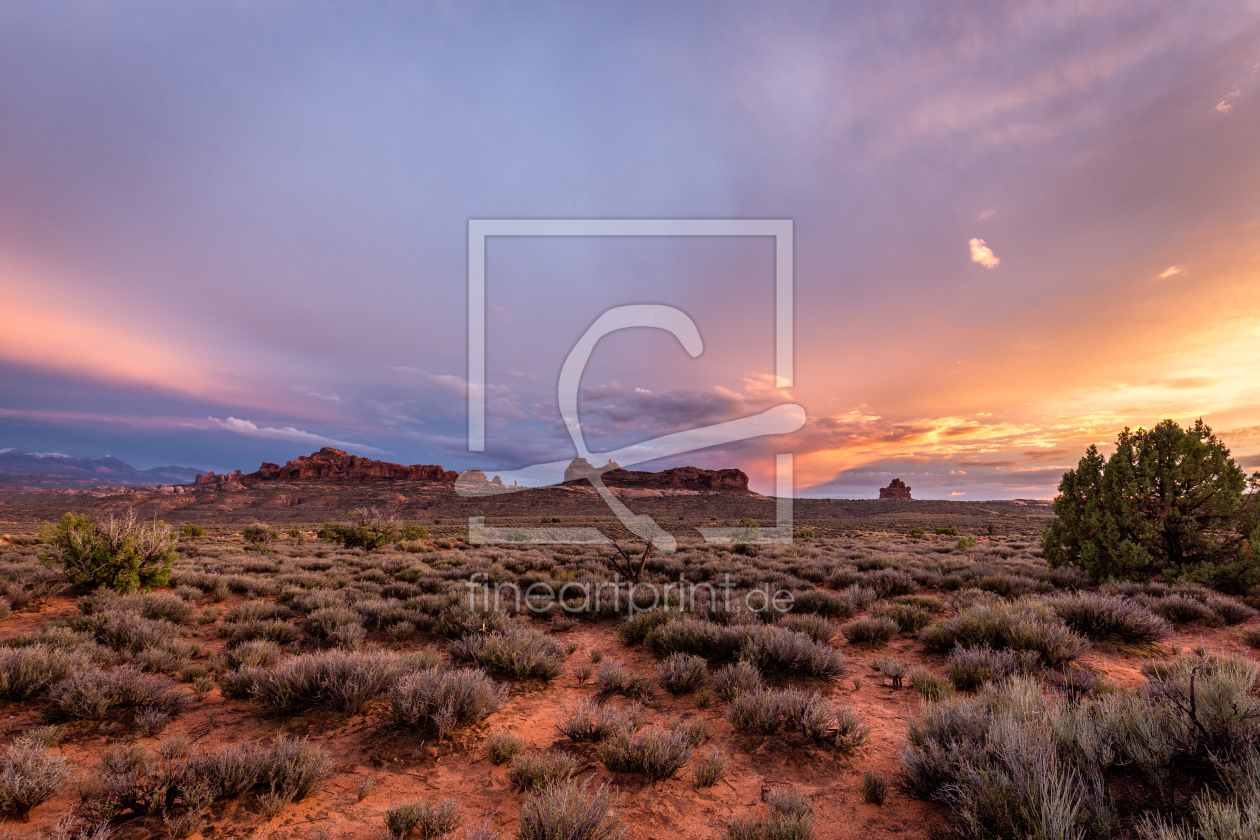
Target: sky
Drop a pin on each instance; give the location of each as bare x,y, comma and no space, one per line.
237,232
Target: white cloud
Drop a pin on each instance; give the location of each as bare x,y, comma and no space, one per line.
245,427
1169,272
981,253
957,493
986,214
1227,104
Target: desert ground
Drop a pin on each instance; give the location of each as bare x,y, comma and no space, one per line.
869,581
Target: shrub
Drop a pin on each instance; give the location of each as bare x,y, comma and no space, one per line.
26,671
29,775
614,678
1107,524
193,531
516,653
589,721
570,811
323,624
258,533
1109,617
247,611
443,699
655,752
909,618
970,668
540,770
343,681
279,632
1004,625
778,650
768,711
96,694
503,746
457,621
929,686
258,653
790,818
712,641
431,819
368,529
120,553
711,770
1251,637
815,626
681,673
874,788
951,531
415,532
892,669
730,681
869,632
822,602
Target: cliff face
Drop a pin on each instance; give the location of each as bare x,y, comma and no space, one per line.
329,463
682,478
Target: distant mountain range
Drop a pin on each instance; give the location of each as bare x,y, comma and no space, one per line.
52,469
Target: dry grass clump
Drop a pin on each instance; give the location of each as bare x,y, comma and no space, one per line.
133,780
874,788
540,770
441,699
790,818
570,811
502,747
870,632
615,678
682,673
29,775
815,626
26,671
516,653
342,681
768,711
929,686
970,668
1008,762
711,769
431,819
592,722
1109,617
94,695
730,681
777,650
1001,625
655,752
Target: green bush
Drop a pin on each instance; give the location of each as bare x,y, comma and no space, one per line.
367,529
120,553
1168,502
193,531
951,531
415,532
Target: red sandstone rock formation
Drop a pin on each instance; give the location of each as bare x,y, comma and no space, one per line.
682,478
329,463
896,489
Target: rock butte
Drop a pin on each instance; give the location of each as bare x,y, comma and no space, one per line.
329,463
896,489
